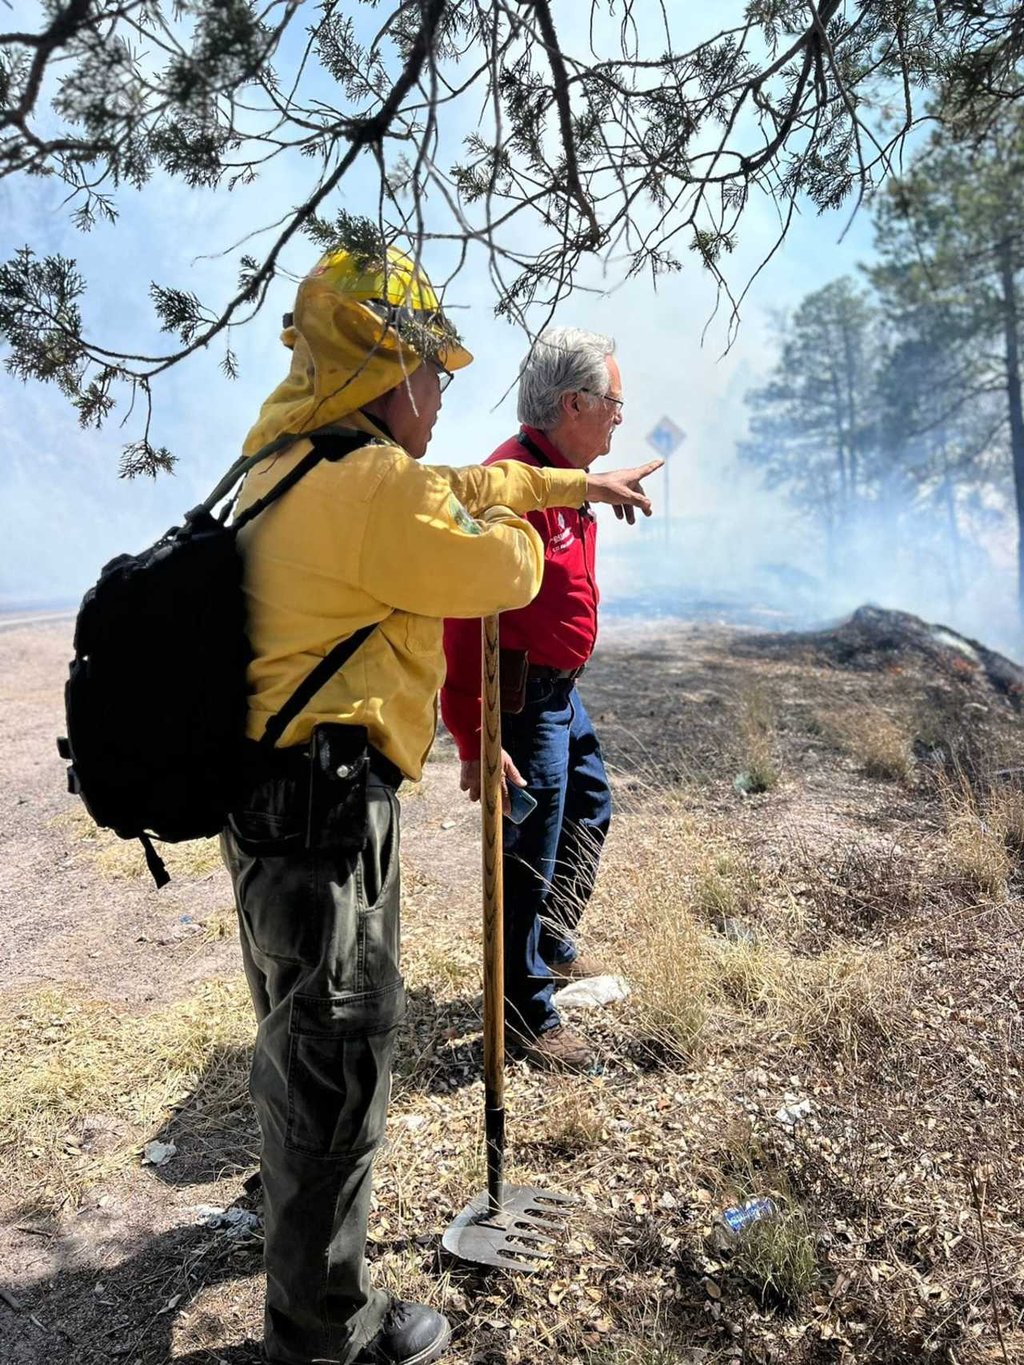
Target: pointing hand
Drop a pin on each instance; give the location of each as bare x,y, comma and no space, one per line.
623,489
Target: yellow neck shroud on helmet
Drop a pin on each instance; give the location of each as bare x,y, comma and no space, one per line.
358,330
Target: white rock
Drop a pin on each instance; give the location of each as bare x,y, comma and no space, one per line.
158,1153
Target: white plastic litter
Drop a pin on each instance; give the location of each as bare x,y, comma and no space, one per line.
792,1112
158,1153
592,993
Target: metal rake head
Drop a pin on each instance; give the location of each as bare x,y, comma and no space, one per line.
522,1236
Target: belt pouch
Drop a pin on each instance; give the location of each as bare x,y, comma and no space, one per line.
339,766
513,670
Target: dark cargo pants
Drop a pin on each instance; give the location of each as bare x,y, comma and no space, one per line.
320,945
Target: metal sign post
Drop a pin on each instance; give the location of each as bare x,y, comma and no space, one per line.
666,438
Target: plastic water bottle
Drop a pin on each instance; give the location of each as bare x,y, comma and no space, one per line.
733,1222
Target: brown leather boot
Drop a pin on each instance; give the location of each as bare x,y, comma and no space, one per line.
556,1049
581,968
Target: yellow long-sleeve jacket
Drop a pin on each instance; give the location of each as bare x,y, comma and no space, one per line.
379,537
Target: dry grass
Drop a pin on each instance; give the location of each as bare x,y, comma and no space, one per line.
664,945
642,1347
570,1124
759,755
222,924
726,888
1004,814
836,1002
978,830
700,990
776,1256
874,984
123,859
65,1060
878,744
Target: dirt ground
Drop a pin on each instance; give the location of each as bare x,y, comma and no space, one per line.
732,758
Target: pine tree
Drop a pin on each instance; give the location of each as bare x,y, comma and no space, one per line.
952,255
814,425
596,134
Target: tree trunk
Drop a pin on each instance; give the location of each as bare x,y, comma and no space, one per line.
1011,323
852,415
948,497
840,524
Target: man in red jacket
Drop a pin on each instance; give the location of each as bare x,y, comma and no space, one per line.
570,402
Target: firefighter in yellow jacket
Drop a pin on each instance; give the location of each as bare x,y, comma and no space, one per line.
373,539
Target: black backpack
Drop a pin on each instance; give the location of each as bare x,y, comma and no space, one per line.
156,698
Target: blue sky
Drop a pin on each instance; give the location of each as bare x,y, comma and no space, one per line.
66,510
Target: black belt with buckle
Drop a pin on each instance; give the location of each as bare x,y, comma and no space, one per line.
293,762
546,674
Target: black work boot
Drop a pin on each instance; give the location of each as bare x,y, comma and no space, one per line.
411,1334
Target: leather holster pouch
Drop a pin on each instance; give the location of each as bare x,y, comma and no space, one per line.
513,670
339,767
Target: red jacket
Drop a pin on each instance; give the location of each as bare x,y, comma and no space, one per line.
559,627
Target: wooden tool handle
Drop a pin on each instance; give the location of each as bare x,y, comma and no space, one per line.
493,905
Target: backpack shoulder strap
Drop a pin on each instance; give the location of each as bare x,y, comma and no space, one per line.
330,444
312,683
339,436
238,471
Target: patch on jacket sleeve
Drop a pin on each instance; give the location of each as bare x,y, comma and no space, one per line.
461,517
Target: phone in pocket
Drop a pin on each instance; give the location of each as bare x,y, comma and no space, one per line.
521,803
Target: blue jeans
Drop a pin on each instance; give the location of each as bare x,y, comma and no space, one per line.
551,859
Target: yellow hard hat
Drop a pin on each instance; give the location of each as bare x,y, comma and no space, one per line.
358,329
398,292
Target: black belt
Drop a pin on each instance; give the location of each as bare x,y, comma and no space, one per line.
293,762
546,674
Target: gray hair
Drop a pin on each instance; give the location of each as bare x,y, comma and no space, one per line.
562,360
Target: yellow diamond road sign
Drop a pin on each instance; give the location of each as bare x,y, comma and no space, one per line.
666,438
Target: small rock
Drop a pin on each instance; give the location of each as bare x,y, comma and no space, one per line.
158,1153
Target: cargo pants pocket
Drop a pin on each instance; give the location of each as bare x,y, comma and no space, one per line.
339,1070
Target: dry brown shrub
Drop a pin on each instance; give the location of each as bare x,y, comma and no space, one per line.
858,885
